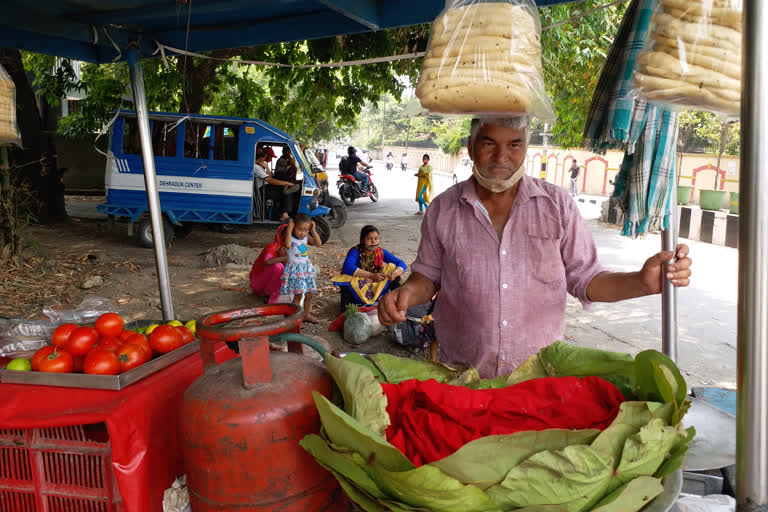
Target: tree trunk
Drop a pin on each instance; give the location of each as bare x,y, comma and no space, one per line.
721,149
196,78
679,166
38,154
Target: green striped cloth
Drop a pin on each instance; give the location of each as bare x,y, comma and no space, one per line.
648,173
610,113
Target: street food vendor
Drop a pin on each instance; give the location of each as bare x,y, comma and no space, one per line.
504,248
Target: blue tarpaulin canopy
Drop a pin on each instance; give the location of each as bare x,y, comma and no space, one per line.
82,29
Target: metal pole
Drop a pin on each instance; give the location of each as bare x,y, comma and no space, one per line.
668,290
752,371
150,182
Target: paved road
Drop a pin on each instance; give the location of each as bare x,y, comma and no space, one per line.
707,309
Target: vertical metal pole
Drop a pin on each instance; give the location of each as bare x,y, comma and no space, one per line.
668,290
150,182
752,370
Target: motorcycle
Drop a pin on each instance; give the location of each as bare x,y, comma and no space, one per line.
389,164
350,189
337,217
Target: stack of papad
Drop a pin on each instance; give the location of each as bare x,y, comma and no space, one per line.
695,56
8,129
484,58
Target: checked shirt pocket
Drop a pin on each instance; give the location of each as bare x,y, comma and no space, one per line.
544,253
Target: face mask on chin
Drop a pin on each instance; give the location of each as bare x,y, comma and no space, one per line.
371,247
498,185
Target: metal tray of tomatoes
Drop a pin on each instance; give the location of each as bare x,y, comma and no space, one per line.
110,382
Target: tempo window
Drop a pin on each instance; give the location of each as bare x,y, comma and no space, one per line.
197,140
131,141
163,138
225,142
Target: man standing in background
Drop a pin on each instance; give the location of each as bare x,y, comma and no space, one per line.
575,170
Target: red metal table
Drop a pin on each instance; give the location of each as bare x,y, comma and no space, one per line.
141,421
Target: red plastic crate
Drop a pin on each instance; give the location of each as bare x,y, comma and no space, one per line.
62,469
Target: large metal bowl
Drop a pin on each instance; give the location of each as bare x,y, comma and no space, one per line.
673,485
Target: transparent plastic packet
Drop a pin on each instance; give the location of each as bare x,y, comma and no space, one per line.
484,58
9,129
91,308
692,57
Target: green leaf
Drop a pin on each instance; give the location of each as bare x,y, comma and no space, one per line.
486,461
430,488
658,378
340,464
397,369
367,502
645,451
631,497
575,477
343,430
676,455
631,418
563,360
354,357
364,399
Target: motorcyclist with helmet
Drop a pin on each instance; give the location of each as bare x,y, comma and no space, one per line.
352,162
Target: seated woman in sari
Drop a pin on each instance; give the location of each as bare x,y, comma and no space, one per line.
369,271
268,267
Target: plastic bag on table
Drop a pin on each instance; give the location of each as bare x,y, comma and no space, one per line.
692,56
9,130
91,308
711,503
19,337
484,57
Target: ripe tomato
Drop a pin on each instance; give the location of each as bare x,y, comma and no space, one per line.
82,340
165,338
61,334
101,362
57,362
77,364
140,340
187,336
110,324
124,335
39,355
109,343
131,356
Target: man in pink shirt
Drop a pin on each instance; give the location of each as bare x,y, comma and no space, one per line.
505,249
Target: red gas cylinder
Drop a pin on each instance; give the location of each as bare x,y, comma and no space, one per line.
241,421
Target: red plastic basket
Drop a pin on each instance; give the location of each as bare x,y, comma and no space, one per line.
62,469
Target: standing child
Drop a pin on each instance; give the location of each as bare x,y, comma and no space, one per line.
299,273
424,185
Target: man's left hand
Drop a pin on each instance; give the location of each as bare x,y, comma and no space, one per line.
678,273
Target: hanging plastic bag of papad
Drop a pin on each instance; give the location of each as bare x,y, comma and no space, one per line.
9,131
484,57
692,56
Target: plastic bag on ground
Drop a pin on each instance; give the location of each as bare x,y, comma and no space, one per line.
357,328
9,130
484,57
91,308
711,503
692,57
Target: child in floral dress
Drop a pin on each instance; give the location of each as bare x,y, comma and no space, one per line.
299,274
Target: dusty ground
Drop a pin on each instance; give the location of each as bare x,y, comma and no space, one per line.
208,273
